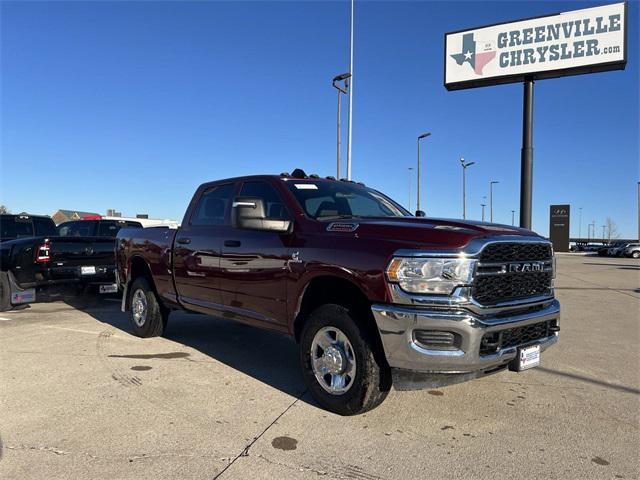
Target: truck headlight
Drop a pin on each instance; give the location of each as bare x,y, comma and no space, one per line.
430,275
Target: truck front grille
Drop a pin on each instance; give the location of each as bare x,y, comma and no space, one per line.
515,337
515,252
512,271
491,289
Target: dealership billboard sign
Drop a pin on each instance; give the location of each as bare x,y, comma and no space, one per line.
559,216
569,43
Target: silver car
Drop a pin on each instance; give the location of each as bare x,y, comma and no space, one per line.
630,250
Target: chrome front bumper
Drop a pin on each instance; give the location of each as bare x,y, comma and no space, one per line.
396,325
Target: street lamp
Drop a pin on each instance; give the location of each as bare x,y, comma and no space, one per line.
638,211
424,135
464,186
410,182
513,217
344,77
483,205
491,199
580,223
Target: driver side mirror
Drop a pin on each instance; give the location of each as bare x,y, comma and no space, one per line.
249,213
420,213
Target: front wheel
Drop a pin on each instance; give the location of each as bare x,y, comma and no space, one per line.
340,364
148,317
635,254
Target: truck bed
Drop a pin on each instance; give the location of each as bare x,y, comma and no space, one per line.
152,246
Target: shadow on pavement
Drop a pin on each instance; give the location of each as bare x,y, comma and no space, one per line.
269,357
624,266
595,381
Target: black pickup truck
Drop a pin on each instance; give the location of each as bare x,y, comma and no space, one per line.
36,257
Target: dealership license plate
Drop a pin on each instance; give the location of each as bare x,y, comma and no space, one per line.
88,270
23,296
113,288
528,357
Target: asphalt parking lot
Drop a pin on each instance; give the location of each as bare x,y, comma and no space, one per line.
82,398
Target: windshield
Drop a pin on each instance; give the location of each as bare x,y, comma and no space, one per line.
335,199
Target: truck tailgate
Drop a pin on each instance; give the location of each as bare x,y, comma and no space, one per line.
82,258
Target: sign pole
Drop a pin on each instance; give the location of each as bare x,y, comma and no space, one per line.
526,165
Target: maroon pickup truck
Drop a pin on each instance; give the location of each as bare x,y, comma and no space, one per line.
373,295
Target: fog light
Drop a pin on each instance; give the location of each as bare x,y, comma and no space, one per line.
437,339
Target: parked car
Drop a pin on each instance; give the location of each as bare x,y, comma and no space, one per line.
78,252
372,294
25,226
631,250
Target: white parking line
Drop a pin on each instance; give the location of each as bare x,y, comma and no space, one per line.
2,319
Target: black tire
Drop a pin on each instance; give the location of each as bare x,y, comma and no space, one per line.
372,379
5,293
156,315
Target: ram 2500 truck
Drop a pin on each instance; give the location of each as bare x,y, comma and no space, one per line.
373,295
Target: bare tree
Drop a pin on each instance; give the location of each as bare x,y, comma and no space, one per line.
4,209
612,228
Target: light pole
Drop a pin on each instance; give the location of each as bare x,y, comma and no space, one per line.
464,186
491,199
580,223
410,182
483,205
420,137
513,217
343,77
638,211
350,95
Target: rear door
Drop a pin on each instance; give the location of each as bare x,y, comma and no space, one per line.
196,252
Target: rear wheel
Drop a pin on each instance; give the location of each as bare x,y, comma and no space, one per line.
635,254
5,292
148,317
340,364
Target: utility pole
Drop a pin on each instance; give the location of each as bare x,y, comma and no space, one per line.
464,186
350,97
491,202
638,211
513,217
483,205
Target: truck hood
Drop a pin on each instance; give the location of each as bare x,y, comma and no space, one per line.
428,233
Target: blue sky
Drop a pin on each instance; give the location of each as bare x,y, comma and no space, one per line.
131,105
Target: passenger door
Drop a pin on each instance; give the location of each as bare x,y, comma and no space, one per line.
254,264
196,253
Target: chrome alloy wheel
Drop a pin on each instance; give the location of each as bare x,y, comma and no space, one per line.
139,307
333,360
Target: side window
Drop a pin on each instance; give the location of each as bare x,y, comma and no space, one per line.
274,207
7,227
80,228
212,205
44,226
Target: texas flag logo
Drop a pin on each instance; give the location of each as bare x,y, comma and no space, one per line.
476,54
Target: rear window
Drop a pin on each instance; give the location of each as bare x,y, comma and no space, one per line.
12,226
110,228
80,228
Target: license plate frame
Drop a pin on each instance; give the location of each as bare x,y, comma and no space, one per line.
88,270
528,357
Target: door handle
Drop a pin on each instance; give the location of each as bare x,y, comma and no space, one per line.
184,240
232,243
